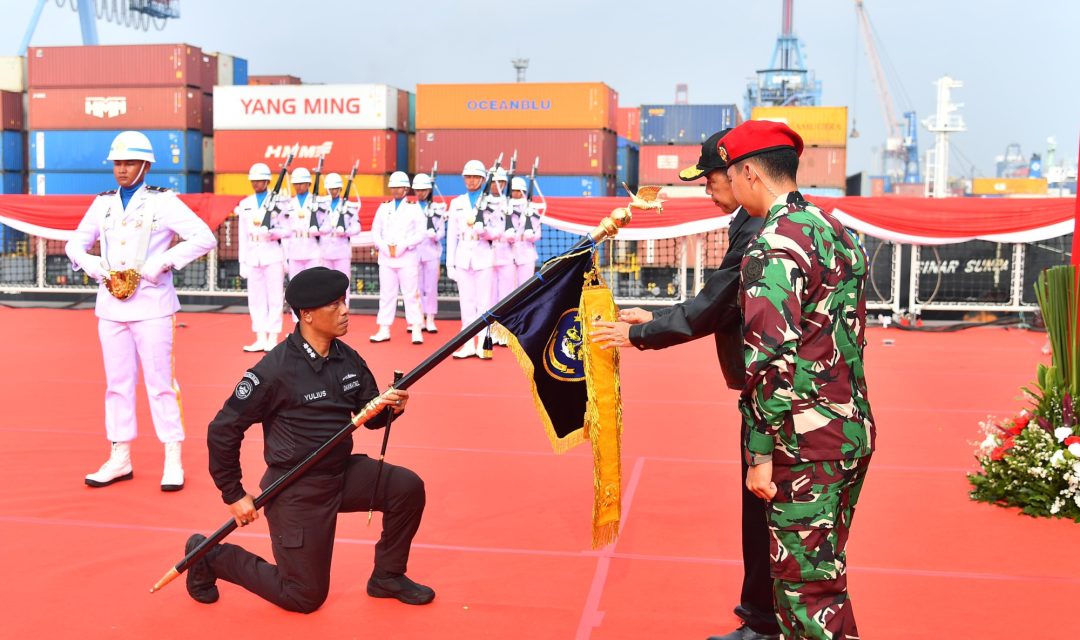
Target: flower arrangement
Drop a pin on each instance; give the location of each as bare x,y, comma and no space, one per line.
1032,460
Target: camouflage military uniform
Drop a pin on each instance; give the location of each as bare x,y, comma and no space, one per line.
805,402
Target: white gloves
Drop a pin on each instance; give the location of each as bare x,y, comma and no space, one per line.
153,268
95,268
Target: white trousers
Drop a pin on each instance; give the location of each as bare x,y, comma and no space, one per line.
125,347
266,297
297,265
505,281
524,272
343,265
429,286
474,293
392,280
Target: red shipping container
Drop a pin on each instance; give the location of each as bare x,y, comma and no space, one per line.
279,79
116,108
561,151
629,124
236,151
661,164
209,72
11,111
207,114
149,65
823,167
402,110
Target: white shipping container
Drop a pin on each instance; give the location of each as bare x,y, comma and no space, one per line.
224,69
300,106
207,154
13,73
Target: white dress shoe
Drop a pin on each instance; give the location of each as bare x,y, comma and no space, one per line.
172,477
116,468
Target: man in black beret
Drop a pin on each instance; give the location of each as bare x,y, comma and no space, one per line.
304,391
715,311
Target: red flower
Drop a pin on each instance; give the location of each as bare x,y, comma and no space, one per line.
999,453
1071,440
1022,420
1016,428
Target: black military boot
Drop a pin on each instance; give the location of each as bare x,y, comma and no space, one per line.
744,632
398,586
201,576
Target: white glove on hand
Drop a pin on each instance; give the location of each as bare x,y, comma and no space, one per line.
529,234
451,273
153,269
338,231
262,232
95,268
478,227
431,233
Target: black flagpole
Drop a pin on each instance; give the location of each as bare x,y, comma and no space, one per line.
607,228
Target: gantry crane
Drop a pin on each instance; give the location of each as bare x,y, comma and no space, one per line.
140,14
786,82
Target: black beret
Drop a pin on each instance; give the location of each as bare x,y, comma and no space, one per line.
316,287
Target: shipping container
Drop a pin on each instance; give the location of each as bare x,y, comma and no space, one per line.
823,167
12,151
13,73
412,112
402,111
627,164
116,108
826,192
87,150
673,192
209,72
312,106
661,164
237,184
226,70
12,182
818,126
1008,186
561,151
13,241
551,186
144,65
685,123
412,154
531,105
75,183
273,80
908,190
377,151
240,71
402,161
207,154
11,111
629,124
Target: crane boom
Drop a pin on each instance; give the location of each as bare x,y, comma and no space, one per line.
892,124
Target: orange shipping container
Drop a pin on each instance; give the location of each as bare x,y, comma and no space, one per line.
532,105
279,79
823,167
1009,186
818,126
116,108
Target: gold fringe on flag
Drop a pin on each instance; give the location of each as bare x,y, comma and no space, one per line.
559,445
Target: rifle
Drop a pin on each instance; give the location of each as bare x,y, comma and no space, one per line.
313,194
342,206
529,195
485,192
431,197
508,189
268,203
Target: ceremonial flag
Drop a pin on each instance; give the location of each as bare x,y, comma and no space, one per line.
575,384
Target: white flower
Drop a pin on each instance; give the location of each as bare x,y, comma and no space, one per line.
1074,449
1058,458
1061,433
990,442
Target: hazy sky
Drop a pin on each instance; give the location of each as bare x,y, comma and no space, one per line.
1013,57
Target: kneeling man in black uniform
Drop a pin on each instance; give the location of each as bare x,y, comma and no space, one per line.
303,391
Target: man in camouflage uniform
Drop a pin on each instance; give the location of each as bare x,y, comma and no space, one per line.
810,430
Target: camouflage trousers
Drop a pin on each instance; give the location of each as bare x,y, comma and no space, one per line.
809,520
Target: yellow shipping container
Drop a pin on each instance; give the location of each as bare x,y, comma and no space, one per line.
1008,186
236,184
818,126
525,105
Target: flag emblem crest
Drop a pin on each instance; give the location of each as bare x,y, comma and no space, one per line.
562,355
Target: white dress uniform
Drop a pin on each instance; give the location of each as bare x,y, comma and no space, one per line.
528,233
502,244
470,259
430,252
397,231
139,330
303,249
338,227
262,263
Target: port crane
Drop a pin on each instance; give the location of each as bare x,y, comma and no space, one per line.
786,82
139,14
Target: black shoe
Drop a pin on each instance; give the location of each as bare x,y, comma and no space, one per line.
200,576
744,632
400,587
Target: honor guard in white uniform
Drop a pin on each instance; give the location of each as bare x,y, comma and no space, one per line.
503,237
430,249
262,225
469,256
302,251
397,231
526,220
136,302
339,222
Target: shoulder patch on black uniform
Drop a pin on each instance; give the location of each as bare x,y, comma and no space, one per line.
107,193
753,269
244,388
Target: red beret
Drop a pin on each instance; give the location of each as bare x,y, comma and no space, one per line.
757,136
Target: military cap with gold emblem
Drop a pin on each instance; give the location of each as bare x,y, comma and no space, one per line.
710,160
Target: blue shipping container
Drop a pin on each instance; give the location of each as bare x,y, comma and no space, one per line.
240,71
685,123
402,151
11,151
79,150
552,186
626,161
12,183
412,112
72,183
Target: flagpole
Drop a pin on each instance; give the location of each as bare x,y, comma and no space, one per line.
607,228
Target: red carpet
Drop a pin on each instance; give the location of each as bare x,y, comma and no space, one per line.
505,538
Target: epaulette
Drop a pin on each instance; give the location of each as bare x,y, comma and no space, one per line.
158,189
108,193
